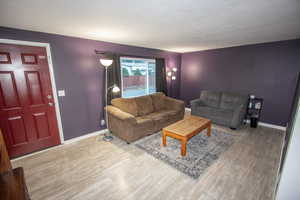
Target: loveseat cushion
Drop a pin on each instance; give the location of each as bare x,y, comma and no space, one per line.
231,101
210,98
213,113
144,105
158,101
126,104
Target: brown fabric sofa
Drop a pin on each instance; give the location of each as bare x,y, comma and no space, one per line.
133,118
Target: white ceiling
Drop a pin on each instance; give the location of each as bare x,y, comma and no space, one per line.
175,25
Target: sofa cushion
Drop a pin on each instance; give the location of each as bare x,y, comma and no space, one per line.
127,105
158,101
163,118
143,120
162,115
144,126
231,101
210,98
144,105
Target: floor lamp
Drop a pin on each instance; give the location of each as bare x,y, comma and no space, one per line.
172,75
115,89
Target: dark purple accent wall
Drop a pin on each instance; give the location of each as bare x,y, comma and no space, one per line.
77,70
266,70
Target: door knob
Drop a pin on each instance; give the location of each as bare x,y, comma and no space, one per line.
50,104
49,96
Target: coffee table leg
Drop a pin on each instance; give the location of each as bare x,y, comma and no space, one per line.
164,139
209,130
183,147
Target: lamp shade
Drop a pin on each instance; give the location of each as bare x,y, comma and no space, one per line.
169,74
174,69
173,77
106,62
116,89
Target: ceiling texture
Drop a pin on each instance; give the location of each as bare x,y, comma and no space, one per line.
174,25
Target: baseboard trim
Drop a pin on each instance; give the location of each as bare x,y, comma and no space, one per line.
66,142
37,152
283,128
85,136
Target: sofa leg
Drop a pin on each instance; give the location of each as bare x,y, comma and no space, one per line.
232,128
128,142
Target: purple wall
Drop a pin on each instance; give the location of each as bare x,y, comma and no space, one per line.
266,70
77,70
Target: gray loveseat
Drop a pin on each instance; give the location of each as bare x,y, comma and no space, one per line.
222,108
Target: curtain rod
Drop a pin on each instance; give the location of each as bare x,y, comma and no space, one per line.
108,53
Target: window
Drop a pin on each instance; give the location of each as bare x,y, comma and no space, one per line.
138,76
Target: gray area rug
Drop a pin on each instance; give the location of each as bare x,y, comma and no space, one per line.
202,150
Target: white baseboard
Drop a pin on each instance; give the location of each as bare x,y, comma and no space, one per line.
85,136
66,142
283,128
37,152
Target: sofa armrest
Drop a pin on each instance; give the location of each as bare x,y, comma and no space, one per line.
174,104
121,115
238,115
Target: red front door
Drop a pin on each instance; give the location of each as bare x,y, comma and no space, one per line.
27,111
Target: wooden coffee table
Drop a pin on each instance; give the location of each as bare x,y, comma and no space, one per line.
185,129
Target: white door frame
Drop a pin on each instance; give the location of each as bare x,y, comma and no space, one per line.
52,77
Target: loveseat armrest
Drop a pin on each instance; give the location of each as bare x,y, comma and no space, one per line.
238,115
174,104
196,102
121,115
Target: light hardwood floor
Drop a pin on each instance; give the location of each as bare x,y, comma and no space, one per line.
93,169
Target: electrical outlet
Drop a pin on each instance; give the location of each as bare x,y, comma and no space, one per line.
102,122
61,93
